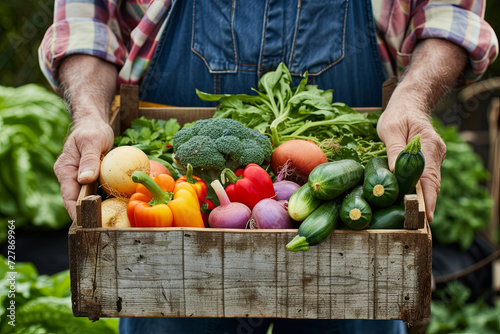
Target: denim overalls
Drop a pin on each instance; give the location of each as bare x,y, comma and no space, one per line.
225,46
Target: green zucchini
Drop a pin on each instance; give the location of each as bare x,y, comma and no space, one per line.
380,185
331,179
302,203
392,217
316,227
410,165
355,211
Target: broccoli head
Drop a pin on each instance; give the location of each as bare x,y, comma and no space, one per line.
220,142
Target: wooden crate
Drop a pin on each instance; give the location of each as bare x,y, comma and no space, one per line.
188,272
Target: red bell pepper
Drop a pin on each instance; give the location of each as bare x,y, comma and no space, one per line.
206,207
251,187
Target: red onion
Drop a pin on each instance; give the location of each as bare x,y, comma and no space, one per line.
228,214
271,214
285,189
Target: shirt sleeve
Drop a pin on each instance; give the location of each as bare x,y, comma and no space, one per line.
81,27
460,22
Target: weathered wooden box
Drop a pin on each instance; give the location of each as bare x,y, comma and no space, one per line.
183,272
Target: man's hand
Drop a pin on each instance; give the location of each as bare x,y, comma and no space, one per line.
396,127
88,86
79,161
435,66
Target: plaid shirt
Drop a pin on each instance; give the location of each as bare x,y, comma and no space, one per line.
126,32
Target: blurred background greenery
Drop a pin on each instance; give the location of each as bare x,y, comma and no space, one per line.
33,126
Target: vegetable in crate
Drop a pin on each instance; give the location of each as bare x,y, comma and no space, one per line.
332,179
380,185
317,226
355,211
248,186
161,203
228,214
284,189
197,183
114,212
153,136
409,166
271,214
298,158
118,165
302,203
392,217
214,144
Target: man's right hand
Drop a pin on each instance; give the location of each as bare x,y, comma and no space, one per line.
79,161
88,86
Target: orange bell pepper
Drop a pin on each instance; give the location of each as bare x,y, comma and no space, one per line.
197,183
160,203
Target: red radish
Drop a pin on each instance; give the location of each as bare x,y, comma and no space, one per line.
271,214
303,157
284,188
228,214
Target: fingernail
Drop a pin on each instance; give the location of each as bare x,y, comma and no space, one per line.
432,215
88,174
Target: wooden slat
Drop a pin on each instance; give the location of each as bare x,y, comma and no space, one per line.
129,105
85,191
204,273
90,211
412,221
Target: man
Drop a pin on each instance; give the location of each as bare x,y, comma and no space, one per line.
170,48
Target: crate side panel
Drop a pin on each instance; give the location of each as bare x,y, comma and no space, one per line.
337,272
203,273
150,273
324,280
107,280
356,276
417,283
294,283
250,278
282,277
393,288
84,267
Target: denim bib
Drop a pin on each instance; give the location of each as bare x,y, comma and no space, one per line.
225,46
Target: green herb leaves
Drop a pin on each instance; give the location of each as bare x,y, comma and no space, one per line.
304,112
152,136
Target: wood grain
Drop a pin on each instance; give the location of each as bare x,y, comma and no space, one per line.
210,273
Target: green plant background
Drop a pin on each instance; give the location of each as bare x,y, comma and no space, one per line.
22,26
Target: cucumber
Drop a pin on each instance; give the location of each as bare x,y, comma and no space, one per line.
410,165
392,217
331,179
302,203
380,186
355,211
316,227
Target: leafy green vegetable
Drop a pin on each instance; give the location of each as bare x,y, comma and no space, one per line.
303,112
152,136
463,205
43,304
452,313
33,126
